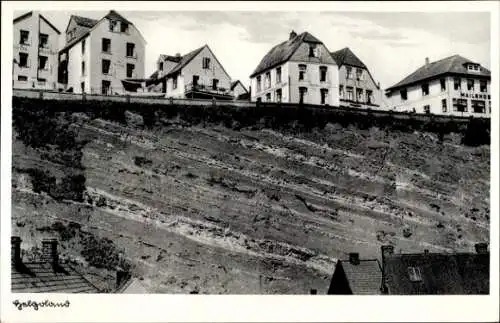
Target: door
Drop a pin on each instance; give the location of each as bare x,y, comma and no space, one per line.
195,80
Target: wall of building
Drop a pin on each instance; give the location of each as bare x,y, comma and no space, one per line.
75,59
117,56
167,67
365,83
239,90
195,67
34,25
436,95
262,91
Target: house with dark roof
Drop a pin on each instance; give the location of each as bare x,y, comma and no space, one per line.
35,49
100,54
454,85
356,276
357,87
197,75
47,275
436,273
298,70
240,91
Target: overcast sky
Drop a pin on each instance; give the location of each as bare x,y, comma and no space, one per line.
392,45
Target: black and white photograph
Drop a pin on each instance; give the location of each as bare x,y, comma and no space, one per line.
281,149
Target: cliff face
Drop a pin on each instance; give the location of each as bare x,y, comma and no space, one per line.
202,207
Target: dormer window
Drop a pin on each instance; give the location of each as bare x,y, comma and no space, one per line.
124,27
473,67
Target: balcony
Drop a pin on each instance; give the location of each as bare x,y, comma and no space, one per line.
201,90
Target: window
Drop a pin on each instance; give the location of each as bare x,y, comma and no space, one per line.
457,84
106,64
278,75
258,84
443,85
359,95
268,97
41,81
106,87
278,95
359,74
23,60
83,68
161,66
470,85
483,86
42,62
267,80
195,80
130,70
302,72
83,46
425,89
427,108
124,27
322,73
312,50
341,91
206,62
82,86
24,37
324,96
174,82
130,50
43,41
478,106
404,94
489,106
460,105
302,93
369,94
350,93
444,105
215,84
106,45
415,274
22,78
349,72
112,25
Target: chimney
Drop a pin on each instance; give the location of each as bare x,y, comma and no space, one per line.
15,243
49,251
293,34
354,258
427,61
481,248
387,250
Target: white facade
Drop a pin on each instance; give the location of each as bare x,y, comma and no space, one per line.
35,52
445,97
98,62
312,80
200,76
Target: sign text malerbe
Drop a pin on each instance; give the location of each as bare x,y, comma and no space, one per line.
36,305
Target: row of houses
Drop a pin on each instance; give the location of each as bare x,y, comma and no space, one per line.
107,56
397,274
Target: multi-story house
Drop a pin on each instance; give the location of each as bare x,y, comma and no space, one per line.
36,43
99,54
451,86
198,74
357,87
299,70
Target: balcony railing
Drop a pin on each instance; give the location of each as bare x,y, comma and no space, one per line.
200,87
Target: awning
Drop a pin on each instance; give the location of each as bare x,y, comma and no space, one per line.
131,85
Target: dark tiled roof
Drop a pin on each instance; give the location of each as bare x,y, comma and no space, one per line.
282,52
84,21
346,57
233,85
449,65
364,278
184,60
113,15
154,76
441,273
26,15
42,277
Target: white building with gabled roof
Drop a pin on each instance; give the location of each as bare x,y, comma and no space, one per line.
100,54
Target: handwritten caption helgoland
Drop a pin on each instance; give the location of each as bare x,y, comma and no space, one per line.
20,305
